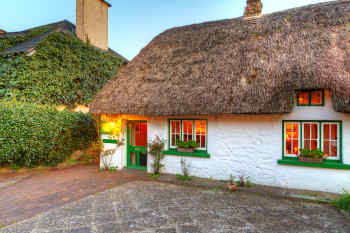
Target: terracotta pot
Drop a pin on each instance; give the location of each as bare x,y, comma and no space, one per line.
185,150
231,186
310,160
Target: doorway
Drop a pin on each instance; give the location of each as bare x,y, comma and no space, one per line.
137,145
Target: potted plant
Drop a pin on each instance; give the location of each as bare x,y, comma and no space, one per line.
186,146
311,156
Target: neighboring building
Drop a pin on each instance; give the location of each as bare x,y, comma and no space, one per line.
2,31
76,84
92,27
251,91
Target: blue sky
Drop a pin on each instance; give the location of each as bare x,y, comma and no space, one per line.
133,23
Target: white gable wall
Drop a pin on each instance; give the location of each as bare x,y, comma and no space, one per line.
250,145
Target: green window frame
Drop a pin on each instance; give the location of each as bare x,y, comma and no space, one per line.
336,163
181,132
309,94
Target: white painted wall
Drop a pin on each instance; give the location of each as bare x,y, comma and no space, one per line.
250,145
118,159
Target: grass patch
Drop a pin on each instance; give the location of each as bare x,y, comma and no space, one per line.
183,178
154,176
343,203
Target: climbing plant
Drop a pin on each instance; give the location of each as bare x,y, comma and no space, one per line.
11,41
63,70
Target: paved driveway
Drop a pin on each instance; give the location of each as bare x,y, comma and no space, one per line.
29,194
158,207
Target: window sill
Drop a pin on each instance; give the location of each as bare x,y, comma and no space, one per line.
325,164
200,154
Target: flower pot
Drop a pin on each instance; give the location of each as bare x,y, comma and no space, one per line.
185,150
231,186
310,160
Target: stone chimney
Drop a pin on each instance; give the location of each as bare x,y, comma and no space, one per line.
92,22
254,8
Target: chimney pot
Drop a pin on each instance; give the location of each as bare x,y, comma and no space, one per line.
253,8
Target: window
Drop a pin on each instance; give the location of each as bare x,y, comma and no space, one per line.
186,130
330,144
312,135
310,98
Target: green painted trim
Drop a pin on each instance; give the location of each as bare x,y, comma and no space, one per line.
200,154
326,164
301,142
187,119
310,104
136,149
110,141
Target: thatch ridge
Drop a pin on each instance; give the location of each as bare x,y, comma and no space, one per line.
237,66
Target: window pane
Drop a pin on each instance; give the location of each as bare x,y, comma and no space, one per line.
289,147
313,145
307,144
326,131
316,97
202,145
326,147
178,127
292,138
314,131
334,132
295,147
201,127
173,140
307,131
198,138
303,98
333,149
187,130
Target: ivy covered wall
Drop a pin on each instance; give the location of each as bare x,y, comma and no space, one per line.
63,70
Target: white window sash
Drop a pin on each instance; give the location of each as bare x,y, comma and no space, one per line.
200,136
331,140
311,139
175,133
292,140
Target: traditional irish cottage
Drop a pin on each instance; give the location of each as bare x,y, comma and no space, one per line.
251,91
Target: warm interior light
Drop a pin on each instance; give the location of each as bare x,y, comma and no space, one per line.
113,127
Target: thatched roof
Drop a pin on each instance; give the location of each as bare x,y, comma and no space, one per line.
243,65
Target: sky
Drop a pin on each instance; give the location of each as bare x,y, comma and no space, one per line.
134,23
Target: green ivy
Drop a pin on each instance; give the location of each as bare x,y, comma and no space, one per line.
32,134
11,41
63,70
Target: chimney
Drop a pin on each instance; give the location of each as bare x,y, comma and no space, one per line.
92,22
254,8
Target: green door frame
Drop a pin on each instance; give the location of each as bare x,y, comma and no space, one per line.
136,149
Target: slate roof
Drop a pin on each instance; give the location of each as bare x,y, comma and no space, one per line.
25,47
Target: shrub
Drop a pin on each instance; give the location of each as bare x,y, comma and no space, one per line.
156,148
343,203
32,134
